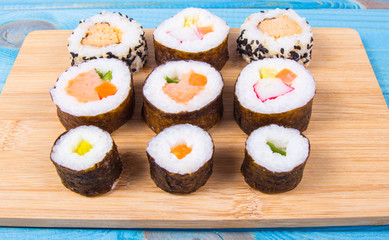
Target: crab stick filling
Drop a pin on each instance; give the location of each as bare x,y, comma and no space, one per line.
91,86
180,151
281,26
273,83
101,35
191,30
187,87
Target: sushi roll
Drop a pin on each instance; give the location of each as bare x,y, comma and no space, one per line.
98,92
275,158
109,35
183,92
274,90
194,34
87,160
276,33
181,158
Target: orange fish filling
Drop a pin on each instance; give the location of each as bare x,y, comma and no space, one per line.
101,35
180,151
281,26
187,88
88,87
286,76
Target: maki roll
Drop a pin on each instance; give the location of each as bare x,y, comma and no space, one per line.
180,158
183,92
194,34
98,92
275,158
109,35
274,90
87,160
276,33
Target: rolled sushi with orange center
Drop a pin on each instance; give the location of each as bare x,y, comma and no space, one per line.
192,34
275,158
276,33
98,92
87,160
183,92
109,35
274,91
181,158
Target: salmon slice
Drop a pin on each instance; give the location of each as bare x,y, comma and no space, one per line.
281,26
82,87
187,88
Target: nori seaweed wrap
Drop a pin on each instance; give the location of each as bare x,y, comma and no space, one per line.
183,92
275,158
87,160
192,34
274,91
181,158
98,92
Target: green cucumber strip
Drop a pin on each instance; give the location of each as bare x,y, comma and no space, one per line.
276,149
100,73
171,80
107,76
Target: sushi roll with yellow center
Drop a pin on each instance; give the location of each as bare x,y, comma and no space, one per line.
275,158
109,35
87,160
183,92
276,33
180,158
98,92
192,34
274,91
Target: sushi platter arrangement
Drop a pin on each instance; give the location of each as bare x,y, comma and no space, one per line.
193,125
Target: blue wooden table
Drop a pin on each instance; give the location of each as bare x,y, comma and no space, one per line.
20,17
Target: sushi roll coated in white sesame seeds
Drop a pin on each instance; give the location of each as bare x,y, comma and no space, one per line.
276,34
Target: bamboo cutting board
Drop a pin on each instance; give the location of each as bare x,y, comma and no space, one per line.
346,180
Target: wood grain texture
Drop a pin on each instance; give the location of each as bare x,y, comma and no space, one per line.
345,181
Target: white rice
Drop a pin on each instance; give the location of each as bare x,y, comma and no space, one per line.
194,137
176,23
63,152
153,91
304,87
121,78
131,32
297,148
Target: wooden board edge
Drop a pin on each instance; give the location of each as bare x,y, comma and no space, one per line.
193,224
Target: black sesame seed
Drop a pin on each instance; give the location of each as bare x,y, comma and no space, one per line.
294,55
282,50
297,47
305,55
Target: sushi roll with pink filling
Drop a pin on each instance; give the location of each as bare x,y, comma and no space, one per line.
274,91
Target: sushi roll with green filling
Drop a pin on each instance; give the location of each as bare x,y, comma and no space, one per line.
275,158
98,92
87,160
274,91
192,34
109,35
181,158
276,33
183,92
